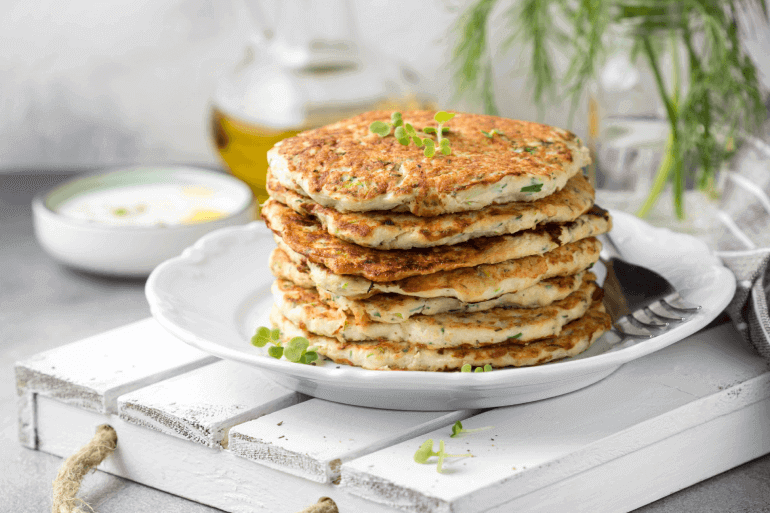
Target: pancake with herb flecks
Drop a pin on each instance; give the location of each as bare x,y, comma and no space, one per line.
493,160
305,235
467,284
390,230
575,337
305,308
396,308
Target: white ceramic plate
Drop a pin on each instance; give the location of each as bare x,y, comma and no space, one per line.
217,292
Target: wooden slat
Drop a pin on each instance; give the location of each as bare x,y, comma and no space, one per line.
207,475
536,445
202,405
658,470
314,438
93,372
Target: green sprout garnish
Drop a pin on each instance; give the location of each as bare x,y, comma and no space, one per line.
532,188
426,451
492,133
457,429
296,350
120,212
383,129
467,368
265,335
405,133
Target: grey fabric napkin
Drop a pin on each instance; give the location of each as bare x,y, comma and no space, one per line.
743,241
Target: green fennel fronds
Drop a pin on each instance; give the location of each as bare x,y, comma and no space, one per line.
715,96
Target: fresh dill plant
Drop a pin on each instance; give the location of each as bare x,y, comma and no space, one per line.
425,452
457,429
712,101
296,350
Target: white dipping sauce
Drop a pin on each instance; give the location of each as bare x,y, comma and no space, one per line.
155,204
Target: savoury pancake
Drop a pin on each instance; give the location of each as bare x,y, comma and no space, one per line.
346,167
390,230
395,308
305,235
305,309
467,284
575,337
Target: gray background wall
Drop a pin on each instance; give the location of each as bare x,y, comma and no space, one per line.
126,81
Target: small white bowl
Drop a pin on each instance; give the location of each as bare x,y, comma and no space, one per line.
98,245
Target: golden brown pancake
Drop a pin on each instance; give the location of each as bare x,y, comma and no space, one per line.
391,230
305,235
305,309
576,337
467,284
396,308
346,167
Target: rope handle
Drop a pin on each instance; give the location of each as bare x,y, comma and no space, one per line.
88,457
75,468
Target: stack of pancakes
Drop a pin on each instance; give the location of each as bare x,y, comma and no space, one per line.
388,259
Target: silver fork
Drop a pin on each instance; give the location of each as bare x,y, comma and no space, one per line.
641,302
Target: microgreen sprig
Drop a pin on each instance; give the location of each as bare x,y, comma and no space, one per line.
383,129
405,133
296,350
468,368
457,429
426,451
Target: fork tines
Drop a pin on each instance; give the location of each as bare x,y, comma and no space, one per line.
655,318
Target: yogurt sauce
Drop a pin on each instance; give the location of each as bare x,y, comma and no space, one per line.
154,204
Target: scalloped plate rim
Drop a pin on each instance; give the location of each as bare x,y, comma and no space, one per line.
500,378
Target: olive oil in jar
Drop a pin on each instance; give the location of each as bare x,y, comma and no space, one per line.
243,148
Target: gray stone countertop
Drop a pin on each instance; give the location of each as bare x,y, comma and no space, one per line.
44,304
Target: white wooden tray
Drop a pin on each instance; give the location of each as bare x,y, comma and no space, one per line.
220,433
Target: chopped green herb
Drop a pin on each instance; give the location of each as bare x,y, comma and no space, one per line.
492,133
532,188
530,149
518,335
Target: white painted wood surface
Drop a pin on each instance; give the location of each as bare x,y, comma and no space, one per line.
313,439
202,405
536,445
207,475
657,425
93,372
